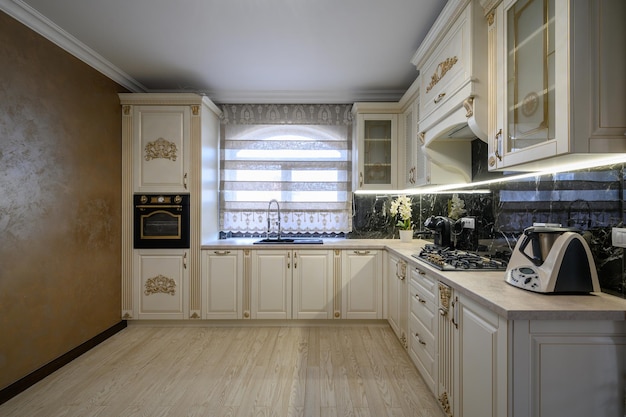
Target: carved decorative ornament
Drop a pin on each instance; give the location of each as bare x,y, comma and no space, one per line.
444,297
441,70
161,148
445,403
160,284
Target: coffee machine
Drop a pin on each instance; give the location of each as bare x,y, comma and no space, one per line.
441,227
552,259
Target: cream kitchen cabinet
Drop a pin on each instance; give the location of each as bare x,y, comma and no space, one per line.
481,354
289,283
573,368
422,323
375,146
223,284
452,61
557,76
472,357
397,297
169,143
161,141
362,284
161,284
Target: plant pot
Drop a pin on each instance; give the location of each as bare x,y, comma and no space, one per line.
406,235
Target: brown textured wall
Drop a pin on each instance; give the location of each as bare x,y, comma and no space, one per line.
60,196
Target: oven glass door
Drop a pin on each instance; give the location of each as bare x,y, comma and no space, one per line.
160,224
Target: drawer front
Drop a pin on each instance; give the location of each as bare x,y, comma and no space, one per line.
426,285
446,71
422,345
423,309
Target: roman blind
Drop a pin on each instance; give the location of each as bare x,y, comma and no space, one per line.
299,155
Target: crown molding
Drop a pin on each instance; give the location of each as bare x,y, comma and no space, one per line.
299,96
31,18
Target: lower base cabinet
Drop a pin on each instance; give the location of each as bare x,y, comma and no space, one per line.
223,292
570,368
161,283
362,284
294,284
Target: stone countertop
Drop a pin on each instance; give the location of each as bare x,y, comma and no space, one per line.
486,288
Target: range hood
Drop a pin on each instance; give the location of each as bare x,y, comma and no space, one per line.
447,143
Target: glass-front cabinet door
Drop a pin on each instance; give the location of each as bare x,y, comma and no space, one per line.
529,74
556,78
376,151
531,45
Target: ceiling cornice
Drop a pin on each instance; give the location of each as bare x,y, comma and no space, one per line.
31,18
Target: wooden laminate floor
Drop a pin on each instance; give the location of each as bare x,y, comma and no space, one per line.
359,370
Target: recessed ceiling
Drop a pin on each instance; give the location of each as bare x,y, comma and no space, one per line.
244,51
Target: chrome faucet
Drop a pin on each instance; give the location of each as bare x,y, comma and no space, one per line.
269,206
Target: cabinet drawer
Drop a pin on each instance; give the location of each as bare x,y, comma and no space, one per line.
422,309
446,71
425,285
422,345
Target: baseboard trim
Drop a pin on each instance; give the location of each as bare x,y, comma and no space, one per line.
31,379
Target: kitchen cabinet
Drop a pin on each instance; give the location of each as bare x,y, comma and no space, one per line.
375,146
161,140
569,368
557,75
292,284
313,284
472,357
452,61
184,161
481,352
362,289
223,284
422,323
397,297
161,285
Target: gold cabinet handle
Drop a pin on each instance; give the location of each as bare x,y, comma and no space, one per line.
360,179
439,98
498,138
221,252
361,252
185,260
420,299
185,180
288,260
295,260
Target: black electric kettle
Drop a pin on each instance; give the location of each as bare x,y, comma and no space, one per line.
541,239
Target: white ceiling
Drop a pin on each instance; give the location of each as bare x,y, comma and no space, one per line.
243,51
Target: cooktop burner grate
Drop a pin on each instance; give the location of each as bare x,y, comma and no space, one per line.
447,259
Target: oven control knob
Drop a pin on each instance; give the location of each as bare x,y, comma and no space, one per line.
178,199
160,199
143,199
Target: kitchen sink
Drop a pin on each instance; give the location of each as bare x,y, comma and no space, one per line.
289,241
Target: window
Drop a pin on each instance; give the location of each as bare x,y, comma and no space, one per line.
305,166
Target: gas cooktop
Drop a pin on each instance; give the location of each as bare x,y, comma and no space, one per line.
447,259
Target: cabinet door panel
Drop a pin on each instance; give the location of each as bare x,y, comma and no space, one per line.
160,284
362,288
161,154
271,285
312,284
224,279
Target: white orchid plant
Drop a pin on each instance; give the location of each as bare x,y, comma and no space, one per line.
456,207
401,207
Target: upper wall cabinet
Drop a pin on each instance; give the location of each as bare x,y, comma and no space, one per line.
557,68
452,61
375,146
162,148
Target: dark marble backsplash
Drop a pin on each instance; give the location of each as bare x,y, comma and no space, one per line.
591,200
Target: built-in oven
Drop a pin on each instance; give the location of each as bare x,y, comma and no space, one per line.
161,221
